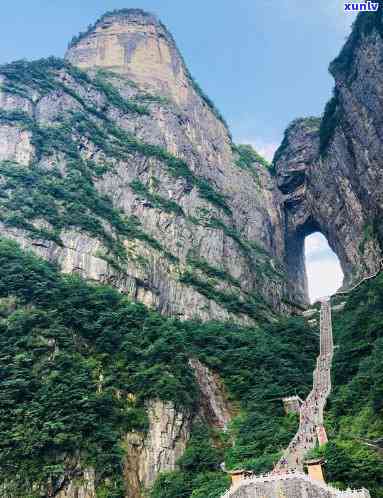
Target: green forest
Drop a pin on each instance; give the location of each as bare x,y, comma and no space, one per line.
58,333
354,418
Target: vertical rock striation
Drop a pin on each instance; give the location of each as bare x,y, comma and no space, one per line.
329,171
215,408
197,224
158,450
81,487
137,45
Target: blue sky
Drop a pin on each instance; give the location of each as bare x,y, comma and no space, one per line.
263,62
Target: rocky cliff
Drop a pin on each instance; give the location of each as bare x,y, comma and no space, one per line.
146,454
117,167
158,450
135,179
214,405
329,170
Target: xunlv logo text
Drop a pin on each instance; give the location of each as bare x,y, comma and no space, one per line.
361,7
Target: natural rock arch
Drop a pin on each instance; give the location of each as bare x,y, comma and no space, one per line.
318,197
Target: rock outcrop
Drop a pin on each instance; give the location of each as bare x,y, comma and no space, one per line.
169,430
81,487
158,450
214,405
137,45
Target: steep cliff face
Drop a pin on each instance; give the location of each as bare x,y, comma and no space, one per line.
330,171
135,179
81,487
214,405
169,430
135,44
116,166
158,450
98,392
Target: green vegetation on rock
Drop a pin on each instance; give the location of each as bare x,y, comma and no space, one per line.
207,100
51,207
212,271
329,123
308,124
155,199
252,305
72,351
365,24
33,194
261,430
43,76
354,418
248,156
197,476
128,12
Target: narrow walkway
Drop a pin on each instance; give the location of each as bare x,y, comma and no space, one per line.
311,412
369,277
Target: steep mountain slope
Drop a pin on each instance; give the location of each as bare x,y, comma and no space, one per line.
330,170
127,174
98,394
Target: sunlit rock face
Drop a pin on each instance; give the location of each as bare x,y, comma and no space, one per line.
292,162
81,487
138,46
316,199
214,405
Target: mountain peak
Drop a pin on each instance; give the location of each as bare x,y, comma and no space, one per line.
136,44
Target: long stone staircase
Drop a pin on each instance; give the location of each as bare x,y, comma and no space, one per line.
311,412
287,480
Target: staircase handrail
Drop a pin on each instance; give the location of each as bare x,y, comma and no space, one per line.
373,275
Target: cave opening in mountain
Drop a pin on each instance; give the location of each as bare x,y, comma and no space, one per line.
323,269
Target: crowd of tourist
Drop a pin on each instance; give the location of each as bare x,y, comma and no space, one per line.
311,410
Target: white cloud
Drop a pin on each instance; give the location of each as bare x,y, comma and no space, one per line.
330,11
324,273
315,243
265,149
333,10
324,278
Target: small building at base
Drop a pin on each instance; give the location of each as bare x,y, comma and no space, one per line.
236,476
315,469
